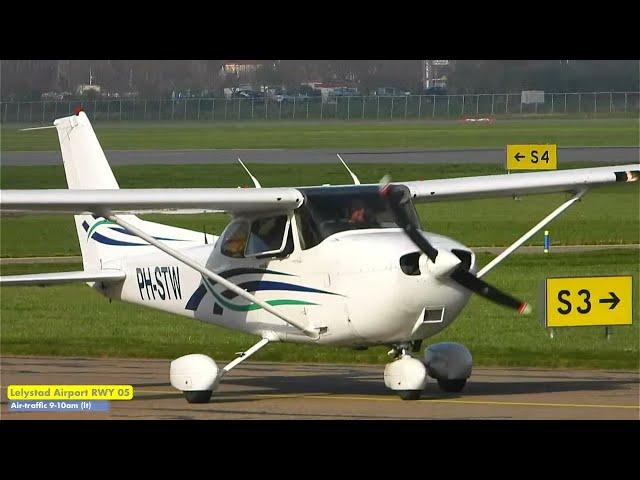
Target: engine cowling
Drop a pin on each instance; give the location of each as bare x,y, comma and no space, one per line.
448,361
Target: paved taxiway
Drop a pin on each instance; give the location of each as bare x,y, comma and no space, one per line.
604,155
319,391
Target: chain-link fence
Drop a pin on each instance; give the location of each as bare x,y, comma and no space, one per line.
411,107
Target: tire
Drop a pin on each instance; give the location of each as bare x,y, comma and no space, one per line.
452,386
409,394
198,396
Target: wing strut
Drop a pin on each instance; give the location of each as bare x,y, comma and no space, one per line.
515,245
310,332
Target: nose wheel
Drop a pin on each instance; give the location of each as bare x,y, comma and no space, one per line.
406,375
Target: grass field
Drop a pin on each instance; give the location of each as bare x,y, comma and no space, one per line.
609,215
338,135
75,321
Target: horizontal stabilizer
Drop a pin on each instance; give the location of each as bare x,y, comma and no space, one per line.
43,279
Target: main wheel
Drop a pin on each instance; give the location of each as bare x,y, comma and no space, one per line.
410,394
198,396
452,386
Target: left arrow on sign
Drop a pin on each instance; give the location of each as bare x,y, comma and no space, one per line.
614,300
518,156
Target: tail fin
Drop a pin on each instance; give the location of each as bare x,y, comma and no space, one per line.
86,167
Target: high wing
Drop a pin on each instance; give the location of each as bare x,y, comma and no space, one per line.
42,279
175,200
518,184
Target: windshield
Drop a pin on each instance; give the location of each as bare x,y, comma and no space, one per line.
329,210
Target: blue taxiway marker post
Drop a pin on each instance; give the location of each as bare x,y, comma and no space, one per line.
547,241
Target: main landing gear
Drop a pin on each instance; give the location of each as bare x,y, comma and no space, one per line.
197,376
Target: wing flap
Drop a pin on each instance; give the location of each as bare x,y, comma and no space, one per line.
54,278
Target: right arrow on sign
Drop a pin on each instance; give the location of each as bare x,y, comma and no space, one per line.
614,300
518,156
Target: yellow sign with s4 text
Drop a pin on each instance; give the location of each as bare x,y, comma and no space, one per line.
588,301
532,157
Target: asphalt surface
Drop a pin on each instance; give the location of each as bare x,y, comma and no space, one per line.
604,155
319,391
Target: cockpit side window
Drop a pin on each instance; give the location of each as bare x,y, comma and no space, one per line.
267,235
234,240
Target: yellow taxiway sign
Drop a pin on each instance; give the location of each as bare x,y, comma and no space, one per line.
588,301
532,157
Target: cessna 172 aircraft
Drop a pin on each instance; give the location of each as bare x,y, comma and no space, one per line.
331,265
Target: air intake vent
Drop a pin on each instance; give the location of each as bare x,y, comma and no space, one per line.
409,263
465,257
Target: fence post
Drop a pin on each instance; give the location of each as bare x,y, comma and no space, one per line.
226,103
185,107
625,102
44,107
506,104
266,109
145,110
18,113
610,102
406,100
392,108
477,104
493,100
108,110
31,112
120,110
520,104
213,109
159,110
349,108
240,106
321,107
565,103
419,106
448,102
579,103
294,107
433,110
462,113
198,109
133,109
595,102
552,103
307,102
336,114
378,109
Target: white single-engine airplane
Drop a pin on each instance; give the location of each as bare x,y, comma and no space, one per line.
331,265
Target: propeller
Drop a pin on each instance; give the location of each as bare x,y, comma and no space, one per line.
396,197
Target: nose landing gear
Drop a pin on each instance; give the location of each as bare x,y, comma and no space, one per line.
407,376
